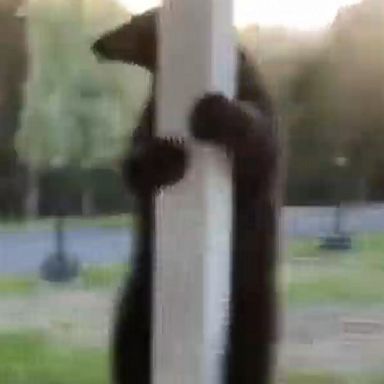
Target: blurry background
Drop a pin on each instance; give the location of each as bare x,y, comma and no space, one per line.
65,121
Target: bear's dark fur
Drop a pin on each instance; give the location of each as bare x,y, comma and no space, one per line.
246,127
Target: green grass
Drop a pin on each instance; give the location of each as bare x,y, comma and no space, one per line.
29,358
333,378
303,249
315,276
321,277
112,221
91,278
342,288
17,285
99,277
314,378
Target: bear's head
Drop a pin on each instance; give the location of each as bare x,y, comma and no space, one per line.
134,42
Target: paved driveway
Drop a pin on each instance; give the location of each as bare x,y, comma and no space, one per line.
23,252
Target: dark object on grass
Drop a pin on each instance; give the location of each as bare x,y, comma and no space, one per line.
59,266
336,242
339,240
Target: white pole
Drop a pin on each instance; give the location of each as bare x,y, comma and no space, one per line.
193,218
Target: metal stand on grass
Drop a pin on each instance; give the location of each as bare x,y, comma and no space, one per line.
338,240
59,266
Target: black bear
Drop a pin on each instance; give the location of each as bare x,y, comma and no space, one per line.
246,127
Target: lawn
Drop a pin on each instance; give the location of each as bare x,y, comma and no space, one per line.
112,221
103,277
30,358
320,277
91,277
315,277
14,285
330,378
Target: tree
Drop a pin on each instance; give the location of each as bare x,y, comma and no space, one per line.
357,56
12,75
77,112
335,105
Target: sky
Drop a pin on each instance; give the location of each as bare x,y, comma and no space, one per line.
298,14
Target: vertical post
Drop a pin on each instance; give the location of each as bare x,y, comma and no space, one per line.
337,224
193,218
59,236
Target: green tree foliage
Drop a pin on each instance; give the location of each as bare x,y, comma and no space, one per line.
330,92
12,70
77,111
328,86
357,59
340,95
12,75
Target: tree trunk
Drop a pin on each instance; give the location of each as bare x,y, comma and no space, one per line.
33,194
363,188
87,204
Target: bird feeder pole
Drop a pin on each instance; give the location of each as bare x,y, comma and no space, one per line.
194,217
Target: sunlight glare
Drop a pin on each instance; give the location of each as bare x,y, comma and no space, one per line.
299,14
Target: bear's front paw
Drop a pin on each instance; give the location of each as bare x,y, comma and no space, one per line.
156,163
209,118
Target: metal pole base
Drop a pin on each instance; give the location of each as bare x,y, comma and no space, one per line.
336,242
59,268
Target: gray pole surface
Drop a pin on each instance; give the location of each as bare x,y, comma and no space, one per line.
193,218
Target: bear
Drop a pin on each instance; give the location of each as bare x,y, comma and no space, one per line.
246,128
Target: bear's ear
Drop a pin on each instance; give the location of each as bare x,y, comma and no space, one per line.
131,43
118,44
